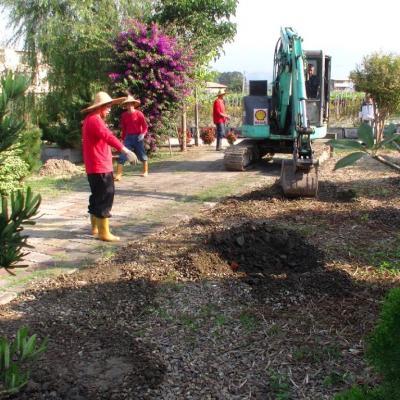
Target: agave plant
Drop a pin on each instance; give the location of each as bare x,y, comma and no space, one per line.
366,145
23,206
15,358
16,209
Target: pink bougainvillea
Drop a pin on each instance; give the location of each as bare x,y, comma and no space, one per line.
153,67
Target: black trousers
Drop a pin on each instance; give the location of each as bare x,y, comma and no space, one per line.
102,198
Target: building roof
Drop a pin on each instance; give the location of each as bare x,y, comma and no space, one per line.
215,85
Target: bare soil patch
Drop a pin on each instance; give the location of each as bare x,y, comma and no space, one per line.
258,298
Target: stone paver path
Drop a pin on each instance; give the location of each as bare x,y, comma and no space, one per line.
174,190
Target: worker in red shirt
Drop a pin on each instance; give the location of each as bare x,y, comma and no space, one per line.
220,117
134,128
96,141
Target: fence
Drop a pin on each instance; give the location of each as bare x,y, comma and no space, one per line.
343,109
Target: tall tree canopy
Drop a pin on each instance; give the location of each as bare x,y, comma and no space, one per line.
379,75
233,80
204,25
74,40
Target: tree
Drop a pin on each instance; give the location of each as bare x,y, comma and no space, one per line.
233,80
379,75
203,25
152,66
74,39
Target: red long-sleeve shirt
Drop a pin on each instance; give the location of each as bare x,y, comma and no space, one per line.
96,142
218,109
133,123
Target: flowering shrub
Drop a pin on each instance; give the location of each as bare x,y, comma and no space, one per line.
150,143
207,135
152,66
231,137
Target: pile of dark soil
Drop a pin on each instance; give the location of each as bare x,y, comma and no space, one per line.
54,167
268,257
265,249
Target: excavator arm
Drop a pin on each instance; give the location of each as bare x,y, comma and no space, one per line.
298,176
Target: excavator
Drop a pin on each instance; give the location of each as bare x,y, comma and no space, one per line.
288,121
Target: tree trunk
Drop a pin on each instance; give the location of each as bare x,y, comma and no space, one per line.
196,118
183,129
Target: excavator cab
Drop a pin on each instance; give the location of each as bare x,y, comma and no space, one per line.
318,106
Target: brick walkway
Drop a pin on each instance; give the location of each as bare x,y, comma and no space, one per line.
174,190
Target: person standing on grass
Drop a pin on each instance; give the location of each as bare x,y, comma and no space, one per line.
134,129
367,112
220,117
97,140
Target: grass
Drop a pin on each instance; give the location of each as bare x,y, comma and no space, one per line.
21,278
383,255
53,187
248,321
279,384
316,354
221,190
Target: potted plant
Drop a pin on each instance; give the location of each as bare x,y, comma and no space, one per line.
207,135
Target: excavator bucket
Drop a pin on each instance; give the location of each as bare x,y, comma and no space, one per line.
300,183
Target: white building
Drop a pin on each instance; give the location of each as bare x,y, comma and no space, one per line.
13,60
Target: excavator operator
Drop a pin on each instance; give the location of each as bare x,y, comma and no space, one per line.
312,83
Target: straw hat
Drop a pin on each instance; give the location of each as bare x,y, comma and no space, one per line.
130,99
221,92
101,99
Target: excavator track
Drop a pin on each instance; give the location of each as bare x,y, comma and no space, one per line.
240,156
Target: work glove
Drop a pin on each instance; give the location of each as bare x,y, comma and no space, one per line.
141,137
132,157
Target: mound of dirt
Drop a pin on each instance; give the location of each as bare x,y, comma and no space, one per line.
54,167
266,249
267,257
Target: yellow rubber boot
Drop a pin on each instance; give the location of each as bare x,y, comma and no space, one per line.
104,230
93,221
118,175
145,168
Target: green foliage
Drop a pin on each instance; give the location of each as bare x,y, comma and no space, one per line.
12,167
379,75
365,146
203,26
12,170
12,88
233,80
74,40
30,144
383,350
23,206
362,393
383,353
15,360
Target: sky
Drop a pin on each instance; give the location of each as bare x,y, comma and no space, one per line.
345,30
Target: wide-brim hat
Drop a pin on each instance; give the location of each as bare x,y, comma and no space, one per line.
221,92
131,100
102,99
